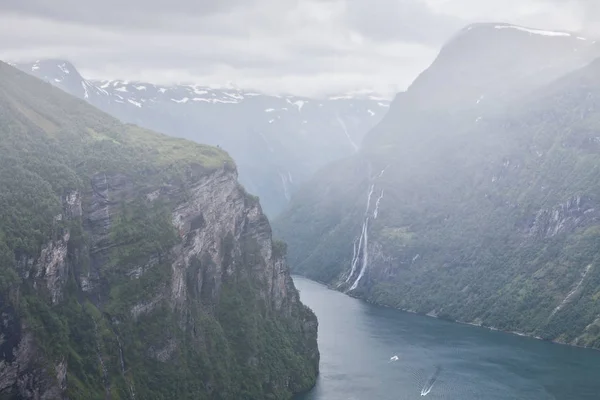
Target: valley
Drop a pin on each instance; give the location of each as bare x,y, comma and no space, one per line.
444,241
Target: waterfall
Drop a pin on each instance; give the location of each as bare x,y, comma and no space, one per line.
105,378
360,253
343,125
369,198
357,251
121,354
360,247
572,293
122,360
376,212
284,182
382,172
365,254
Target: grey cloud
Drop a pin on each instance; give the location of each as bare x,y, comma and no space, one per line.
129,13
584,14
303,46
409,20
591,15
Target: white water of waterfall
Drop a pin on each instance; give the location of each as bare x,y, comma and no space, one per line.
365,254
360,252
356,254
369,198
129,382
284,183
343,125
382,172
376,212
567,299
121,355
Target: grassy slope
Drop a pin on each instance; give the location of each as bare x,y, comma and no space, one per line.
50,141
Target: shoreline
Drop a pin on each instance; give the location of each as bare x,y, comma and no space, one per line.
429,315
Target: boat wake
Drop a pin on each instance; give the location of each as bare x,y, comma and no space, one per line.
429,385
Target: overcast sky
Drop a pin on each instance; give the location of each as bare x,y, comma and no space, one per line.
307,47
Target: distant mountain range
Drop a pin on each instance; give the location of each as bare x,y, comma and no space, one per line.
277,141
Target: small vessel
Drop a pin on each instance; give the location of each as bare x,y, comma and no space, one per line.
429,385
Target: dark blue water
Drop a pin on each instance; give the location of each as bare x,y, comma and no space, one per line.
438,359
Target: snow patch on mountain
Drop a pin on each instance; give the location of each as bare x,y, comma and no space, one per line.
235,96
86,95
135,103
63,68
299,104
533,31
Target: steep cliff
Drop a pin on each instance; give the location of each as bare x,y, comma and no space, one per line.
134,266
476,199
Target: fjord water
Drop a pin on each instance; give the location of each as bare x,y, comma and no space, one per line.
435,359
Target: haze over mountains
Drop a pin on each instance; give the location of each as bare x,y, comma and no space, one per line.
277,141
477,197
134,265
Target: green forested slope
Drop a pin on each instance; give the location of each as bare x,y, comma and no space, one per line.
51,142
489,215
87,301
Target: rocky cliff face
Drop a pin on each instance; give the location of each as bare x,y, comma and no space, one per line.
144,271
223,239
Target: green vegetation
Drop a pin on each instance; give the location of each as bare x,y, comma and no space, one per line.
493,222
52,145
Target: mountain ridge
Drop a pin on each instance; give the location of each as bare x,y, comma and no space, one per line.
479,209
134,265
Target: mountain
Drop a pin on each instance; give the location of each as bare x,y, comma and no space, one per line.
476,198
277,142
134,265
